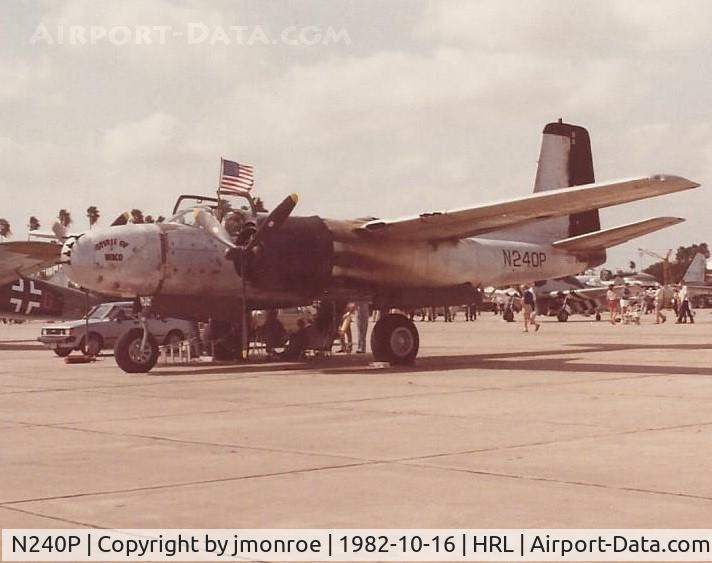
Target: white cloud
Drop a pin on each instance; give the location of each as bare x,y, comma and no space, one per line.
443,110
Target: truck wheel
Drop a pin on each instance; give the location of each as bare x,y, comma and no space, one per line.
129,355
94,346
62,352
395,340
174,338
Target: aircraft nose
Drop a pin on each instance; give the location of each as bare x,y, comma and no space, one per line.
66,254
123,260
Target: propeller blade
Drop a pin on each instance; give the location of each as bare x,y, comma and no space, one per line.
121,219
209,222
274,220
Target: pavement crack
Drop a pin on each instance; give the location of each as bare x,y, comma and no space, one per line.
57,518
12,503
563,482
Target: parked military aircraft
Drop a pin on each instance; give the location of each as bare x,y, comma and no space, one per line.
699,285
24,296
23,258
191,266
32,298
571,295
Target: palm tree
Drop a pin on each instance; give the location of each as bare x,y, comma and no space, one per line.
5,231
92,215
137,216
64,217
34,223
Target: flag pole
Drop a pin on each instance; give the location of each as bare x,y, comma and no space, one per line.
220,176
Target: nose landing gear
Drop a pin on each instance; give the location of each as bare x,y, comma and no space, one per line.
136,351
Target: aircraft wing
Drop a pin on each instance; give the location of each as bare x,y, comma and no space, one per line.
25,258
606,238
462,223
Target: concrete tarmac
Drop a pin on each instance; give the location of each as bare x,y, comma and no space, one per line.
582,424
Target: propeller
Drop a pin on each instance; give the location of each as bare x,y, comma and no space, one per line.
121,219
241,255
251,241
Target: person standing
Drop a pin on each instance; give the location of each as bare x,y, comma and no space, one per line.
684,306
612,299
625,303
659,304
362,316
345,329
471,310
529,309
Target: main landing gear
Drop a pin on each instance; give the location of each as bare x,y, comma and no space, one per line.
395,339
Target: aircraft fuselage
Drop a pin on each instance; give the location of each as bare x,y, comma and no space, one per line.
308,258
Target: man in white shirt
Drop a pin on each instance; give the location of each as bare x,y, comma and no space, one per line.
684,312
612,299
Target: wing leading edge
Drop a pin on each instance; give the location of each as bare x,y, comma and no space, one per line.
462,223
25,258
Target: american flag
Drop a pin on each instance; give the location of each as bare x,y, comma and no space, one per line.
235,178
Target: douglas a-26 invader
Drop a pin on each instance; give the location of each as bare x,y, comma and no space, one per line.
192,267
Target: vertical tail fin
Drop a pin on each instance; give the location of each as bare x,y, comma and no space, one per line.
565,160
696,270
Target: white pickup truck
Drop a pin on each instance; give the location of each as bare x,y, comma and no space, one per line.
107,322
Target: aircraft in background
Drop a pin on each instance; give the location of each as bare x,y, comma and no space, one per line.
699,284
33,298
193,267
24,258
24,295
586,295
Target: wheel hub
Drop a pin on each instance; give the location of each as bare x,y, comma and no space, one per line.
401,342
138,354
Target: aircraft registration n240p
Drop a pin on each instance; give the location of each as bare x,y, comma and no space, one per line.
192,266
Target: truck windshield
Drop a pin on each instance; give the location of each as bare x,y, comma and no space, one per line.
100,311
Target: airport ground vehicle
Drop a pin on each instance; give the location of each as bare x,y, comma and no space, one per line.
106,323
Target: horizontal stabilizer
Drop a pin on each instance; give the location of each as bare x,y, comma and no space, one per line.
462,223
606,238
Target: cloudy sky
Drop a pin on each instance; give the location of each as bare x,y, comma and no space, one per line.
364,107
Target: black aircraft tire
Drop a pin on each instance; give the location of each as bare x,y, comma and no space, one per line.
598,316
562,316
395,340
62,352
130,357
508,315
